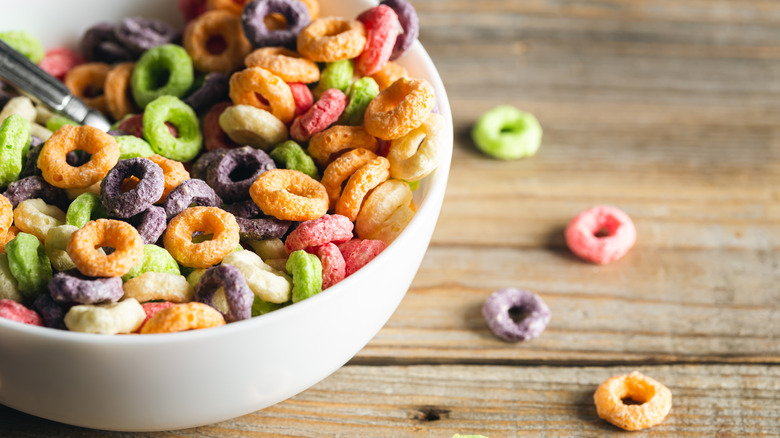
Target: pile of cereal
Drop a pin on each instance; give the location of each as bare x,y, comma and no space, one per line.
257,159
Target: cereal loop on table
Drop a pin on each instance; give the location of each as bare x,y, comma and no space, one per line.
341,169
247,86
330,39
117,91
207,220
390,73
183,317
284,63
87,82
415,155
289,195
247,125
83,248
216,43
502,304
399,108
382,25
506,133
36,217
654,401
601,234
55,169
359,184
379,211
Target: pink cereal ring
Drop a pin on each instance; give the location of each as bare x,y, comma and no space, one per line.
601,234
333,264
14,311
322,114
357,253
151,308
58,62
382,25
302,97
317,232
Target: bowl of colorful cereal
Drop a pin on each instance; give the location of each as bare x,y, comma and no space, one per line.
265,196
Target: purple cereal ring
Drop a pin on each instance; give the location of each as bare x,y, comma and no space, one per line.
150,223
99,44
139,34
52,312
215,89
204,161
238,295
132,202
295,14
31,159
503,304
244,209
36,187
233,174
190,191
410,24
262,228
74,287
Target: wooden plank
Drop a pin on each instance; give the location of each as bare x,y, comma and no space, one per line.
495,401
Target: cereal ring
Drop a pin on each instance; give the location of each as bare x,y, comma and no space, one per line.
382,25
35,217
174,174
289,195
9,287
52,312
302,97
29,264
99,44
653,398
6,214
215,89
155,259
56,171
329,228
399,108
55,122
361,93
127,244
55,243
516,315
333,264
261,228
213,135
106,319
191,191
153,286
410,26
233,6
216,43
25,43
322,114
182,317
262,89
22,106
139,34
357,253
30,167
359,184
296,17
306,271
326,144
16,312
330,39
86,81
12,232
72,287
233,174
341,169
198,170
415,155
35,187
14,136
59,61
269,249
601,234
169,109
246,209
380,206
266,283
507,133
150,223
247,125
124,204
116,91
290,155
151,309
284,63
84,208
169,65
337,75
260,307
208,220
224,288
131,146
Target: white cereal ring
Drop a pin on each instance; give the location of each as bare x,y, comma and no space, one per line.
106,319
266,282
417,154
152,286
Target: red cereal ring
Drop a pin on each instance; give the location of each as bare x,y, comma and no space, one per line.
191,9
331,39
302,97
382,25
55,169
117,91
283,62
327,144
86,81
317,232
322,114
357,253
365,179
17,312
341,169
59,61
333,264
208,220
653,398
247,87
83,248
601,234
216,43
399,108
289,195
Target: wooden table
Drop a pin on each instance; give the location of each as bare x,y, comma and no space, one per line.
668,109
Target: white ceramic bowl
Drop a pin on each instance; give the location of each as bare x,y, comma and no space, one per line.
160,382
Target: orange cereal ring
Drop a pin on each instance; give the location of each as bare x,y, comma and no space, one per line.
399,108
117,91
182,317
173,175
289,195
390,73
56,170
283,62
83,248
331,39
216,43
372,174
235,7
338,138
208,220
341,169
86,81
7,237
653,398
246,85
6,215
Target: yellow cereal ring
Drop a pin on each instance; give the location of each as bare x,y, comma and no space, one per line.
247,125
246,85
331,39
289,195
415,155
380,205
338,138
220,24
56,170
208,220
153,286
283,62
34,216
116,91
182,317
87,81
399,108
359,184
655,401
83,248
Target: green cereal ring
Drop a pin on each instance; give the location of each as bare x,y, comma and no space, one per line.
193,278
131,146
290,155
29,264
306,271
162,70
9,287
361,93
171,109
84,208
24,43
507,133
260,307
155,259
55,244
335,75
55,122
14,139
